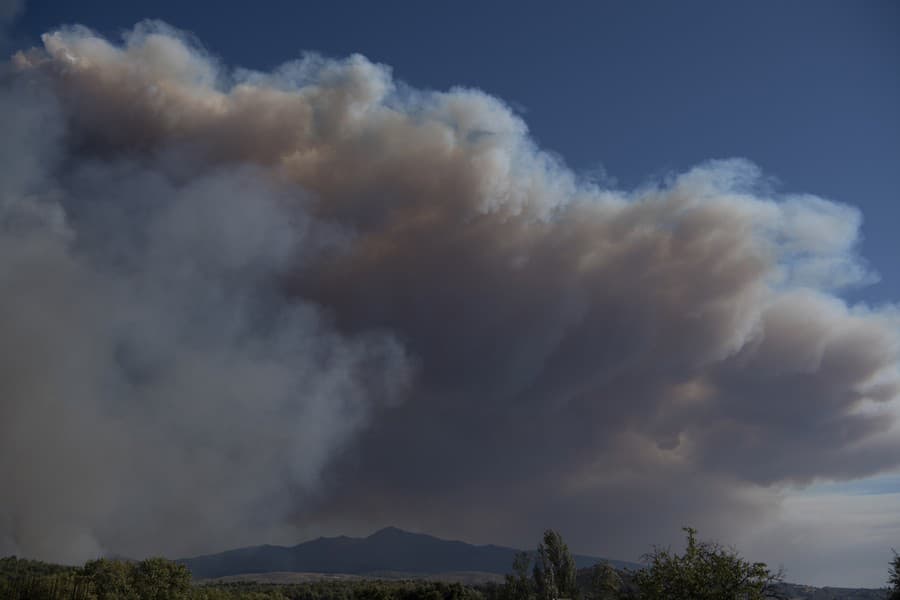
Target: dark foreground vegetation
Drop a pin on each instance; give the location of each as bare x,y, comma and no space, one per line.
704,571
159,579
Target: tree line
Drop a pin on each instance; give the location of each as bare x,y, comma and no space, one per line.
161,579
703,571
102,579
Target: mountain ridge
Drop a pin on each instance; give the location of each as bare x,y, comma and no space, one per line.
387,549
391,553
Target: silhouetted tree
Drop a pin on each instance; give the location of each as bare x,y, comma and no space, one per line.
161,579
605,583
519,585
110,579
894,578
554,569
706,571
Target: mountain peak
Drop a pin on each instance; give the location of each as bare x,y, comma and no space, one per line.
389,549
389,531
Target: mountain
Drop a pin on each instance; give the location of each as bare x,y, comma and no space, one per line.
392,552
387,550
795,591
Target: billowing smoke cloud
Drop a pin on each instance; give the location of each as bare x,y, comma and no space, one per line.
160,391
317,297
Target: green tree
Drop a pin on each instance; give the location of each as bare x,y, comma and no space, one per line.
109,579
706,571
519,585
161,579
894,578
605,583
554,569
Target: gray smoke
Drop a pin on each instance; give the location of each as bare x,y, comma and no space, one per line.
160,391
241,305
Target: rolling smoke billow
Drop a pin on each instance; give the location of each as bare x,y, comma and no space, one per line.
242,307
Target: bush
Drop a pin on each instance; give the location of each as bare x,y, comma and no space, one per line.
706,571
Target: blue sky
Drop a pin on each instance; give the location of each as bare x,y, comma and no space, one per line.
809,91
629,93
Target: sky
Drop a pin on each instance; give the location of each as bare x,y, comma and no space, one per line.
612,268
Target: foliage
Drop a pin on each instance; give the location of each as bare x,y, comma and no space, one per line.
519,585
22,579
706,571
101,579
554,569
109,579
605,584
160,579
553,576
344,590
894,578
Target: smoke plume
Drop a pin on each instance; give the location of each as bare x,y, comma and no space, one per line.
241,305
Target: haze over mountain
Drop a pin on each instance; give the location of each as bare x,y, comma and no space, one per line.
387,550
392,552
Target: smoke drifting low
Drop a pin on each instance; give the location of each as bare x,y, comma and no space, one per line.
243,305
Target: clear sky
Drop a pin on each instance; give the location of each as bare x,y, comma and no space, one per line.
602,369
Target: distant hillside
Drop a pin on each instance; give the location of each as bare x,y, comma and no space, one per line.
387,550
784,591
806,592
